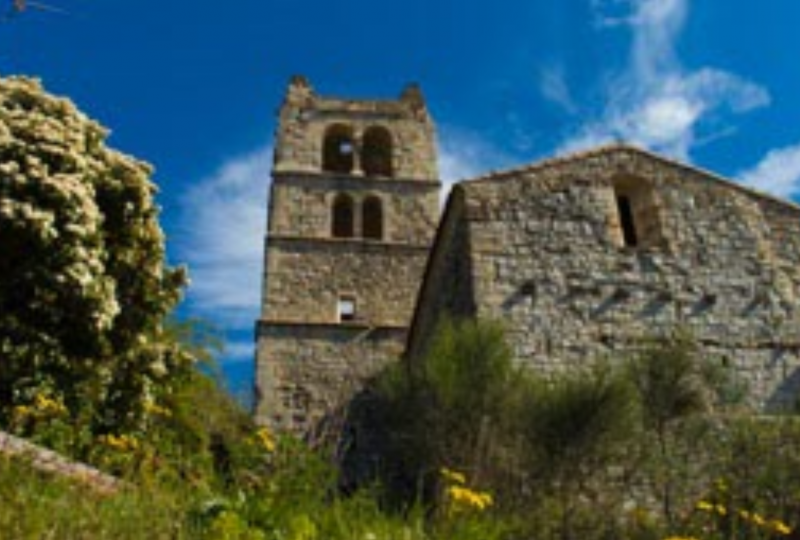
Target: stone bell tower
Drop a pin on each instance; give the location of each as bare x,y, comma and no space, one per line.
354,206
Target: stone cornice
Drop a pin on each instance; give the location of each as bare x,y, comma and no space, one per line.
349,326
356,244
367,182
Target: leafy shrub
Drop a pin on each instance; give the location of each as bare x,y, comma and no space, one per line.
84,287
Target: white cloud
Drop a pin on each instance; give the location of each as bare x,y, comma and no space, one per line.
223,221
239,351
554,88
656,102
777,173
464,155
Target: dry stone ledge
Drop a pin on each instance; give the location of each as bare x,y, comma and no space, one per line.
45,460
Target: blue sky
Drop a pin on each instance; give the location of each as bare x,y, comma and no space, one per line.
193,86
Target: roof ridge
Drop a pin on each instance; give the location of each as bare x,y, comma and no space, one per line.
561,159
551,160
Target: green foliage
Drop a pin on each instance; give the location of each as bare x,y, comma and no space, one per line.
467,377
561,458
34,506
671,382
84,287
579,416
449,410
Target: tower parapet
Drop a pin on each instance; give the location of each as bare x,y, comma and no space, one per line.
368,138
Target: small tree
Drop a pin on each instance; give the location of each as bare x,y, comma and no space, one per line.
84,287
575,427
450,409
671,384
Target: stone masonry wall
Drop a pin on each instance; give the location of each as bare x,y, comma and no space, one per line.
447,285
305,116
547,258
310,358
310,372
300,206
306,278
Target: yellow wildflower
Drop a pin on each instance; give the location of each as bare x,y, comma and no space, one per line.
453,476
721,510
46,406
21,412
266,439
463,498
780,527
156,409
122,443
704,506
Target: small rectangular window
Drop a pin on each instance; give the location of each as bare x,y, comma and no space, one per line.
626,220
346,308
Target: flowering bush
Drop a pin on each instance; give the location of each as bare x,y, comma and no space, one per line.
83,283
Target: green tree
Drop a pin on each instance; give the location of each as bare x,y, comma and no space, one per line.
575,428
447,409
84,286
672,384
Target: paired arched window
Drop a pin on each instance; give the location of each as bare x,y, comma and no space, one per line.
343,223
343,217
338,149
372,218
376,155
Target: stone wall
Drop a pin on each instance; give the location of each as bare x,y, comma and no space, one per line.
305,116
547,258
306,278
311,358
45,460
309,372
301,206
447,285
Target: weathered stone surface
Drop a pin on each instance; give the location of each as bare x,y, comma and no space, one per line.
581,256
542,249
309,360
44,460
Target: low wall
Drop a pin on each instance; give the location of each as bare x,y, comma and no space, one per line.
51,462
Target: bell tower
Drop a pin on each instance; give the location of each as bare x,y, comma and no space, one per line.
354,206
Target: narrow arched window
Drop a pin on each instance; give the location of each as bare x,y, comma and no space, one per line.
376,154
638,215
372,218
626,222
338,149
342,218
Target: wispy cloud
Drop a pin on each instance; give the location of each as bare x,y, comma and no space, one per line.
656,102
554,88
223,219
777,173
239,351
464,155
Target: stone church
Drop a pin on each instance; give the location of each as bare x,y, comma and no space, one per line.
580,256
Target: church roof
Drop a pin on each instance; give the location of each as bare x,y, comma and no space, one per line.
611,149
